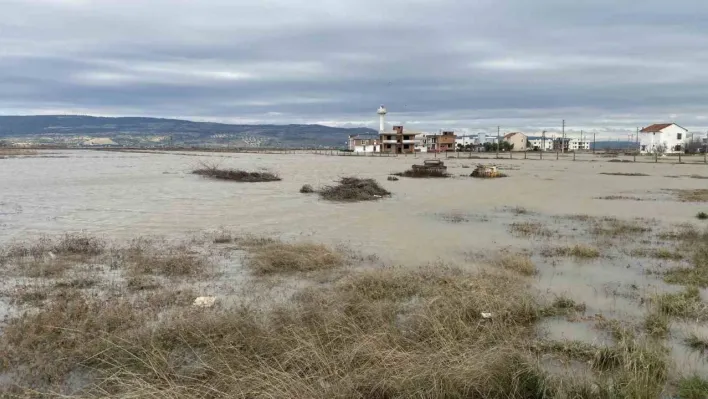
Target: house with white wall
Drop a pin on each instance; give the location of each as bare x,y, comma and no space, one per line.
364,143
669,137
576,145
539,143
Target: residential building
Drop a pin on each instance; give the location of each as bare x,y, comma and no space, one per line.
466,140
517,139
440,142
398,142
364,143
662,137
577,145
540,143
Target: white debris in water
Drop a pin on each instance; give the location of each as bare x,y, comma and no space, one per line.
205,301
486,315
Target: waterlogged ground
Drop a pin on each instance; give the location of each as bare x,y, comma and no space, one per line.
599,239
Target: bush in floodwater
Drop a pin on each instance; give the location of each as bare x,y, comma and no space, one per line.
236,175
424,173
353,189
307,189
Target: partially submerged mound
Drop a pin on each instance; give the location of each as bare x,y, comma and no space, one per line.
431,168
487,172
236,175
353,189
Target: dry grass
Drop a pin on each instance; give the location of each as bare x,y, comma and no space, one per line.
352,189
620,197
656,324
278,257
685,304
696,195
236,175
518,263
16,152
576,251
384,333
615,228
49,257
528,229
624,174
696,246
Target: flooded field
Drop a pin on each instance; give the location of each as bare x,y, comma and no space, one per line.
606,242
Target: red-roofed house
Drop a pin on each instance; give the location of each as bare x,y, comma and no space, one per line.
668,137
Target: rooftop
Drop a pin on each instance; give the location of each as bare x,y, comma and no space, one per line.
656,128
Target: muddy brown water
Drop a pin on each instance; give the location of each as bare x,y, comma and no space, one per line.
122,195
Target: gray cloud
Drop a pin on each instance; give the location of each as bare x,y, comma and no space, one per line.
604,65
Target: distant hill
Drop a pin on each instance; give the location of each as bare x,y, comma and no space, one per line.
180,131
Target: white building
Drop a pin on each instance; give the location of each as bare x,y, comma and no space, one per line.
669,137
575,145
466,140
538,143
364,143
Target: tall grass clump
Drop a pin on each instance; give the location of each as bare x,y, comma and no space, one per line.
279,257
353,189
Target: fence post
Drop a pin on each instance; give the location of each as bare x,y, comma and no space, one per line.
635,156
573,155
525,153
680,158
656,157
556,155
540,156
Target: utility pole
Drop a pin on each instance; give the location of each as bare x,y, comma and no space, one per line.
498,142
594,143
563,139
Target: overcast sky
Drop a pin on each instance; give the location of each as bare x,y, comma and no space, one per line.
605,65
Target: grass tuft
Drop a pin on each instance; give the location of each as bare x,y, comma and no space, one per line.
528,229
694,387
695,195
281,257
352,189
576,251
656,324
521,264
685,304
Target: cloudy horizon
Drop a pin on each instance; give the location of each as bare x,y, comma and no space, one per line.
605,66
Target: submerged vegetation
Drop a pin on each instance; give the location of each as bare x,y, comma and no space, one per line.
237,175
422,173
353,189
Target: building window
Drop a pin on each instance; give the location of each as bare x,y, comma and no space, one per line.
405,146
678,136
388,146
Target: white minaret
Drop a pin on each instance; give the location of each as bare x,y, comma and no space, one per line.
382,116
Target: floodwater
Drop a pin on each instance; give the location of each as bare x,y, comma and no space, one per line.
122,195
126,194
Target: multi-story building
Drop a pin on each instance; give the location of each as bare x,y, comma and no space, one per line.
398,141
540,143
578,145
518,140
440,142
